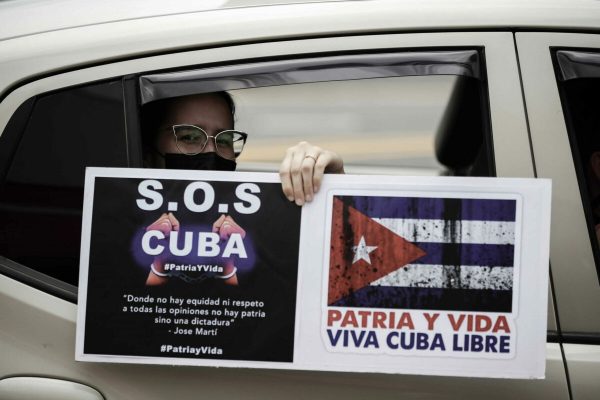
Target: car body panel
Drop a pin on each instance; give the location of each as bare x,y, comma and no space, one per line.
584,369
39,343
29,17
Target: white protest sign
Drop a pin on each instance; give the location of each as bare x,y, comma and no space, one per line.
416,275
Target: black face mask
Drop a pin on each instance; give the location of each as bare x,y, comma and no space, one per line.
203,161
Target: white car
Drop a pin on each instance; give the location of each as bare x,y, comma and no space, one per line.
488,88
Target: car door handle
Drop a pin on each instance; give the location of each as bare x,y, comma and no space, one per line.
34,388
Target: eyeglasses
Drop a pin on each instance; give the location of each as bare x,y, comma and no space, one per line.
192,140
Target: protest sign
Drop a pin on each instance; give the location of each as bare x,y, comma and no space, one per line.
163,280
442,276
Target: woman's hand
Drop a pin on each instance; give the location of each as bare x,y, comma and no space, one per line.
303,168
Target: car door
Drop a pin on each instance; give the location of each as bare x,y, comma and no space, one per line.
561,72
38,305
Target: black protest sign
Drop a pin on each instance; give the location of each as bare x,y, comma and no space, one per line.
190,268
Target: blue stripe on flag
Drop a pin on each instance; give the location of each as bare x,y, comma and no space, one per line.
433,208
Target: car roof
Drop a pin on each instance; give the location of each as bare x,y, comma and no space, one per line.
28,17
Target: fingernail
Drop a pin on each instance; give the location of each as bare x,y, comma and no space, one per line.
299,202
290,198
308,197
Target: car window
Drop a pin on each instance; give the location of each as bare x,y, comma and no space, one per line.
400,113
422,117
578,76
41,195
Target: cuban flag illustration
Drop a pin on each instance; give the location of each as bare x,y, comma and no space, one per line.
422,253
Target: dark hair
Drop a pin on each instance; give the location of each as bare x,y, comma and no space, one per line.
229,100
152,114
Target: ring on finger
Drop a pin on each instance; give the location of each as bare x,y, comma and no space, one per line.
309,156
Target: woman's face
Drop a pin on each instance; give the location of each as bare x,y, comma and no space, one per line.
208,111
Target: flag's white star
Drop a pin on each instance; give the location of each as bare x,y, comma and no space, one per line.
361,251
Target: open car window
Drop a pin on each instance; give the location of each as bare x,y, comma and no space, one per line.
378,126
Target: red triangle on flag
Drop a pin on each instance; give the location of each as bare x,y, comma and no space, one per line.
353,232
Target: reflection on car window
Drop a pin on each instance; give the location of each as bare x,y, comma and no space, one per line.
41,197
581,102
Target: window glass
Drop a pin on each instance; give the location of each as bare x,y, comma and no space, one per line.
578,75
41,195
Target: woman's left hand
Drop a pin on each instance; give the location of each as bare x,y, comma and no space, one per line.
303,168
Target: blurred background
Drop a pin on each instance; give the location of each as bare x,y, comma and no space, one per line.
381,125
